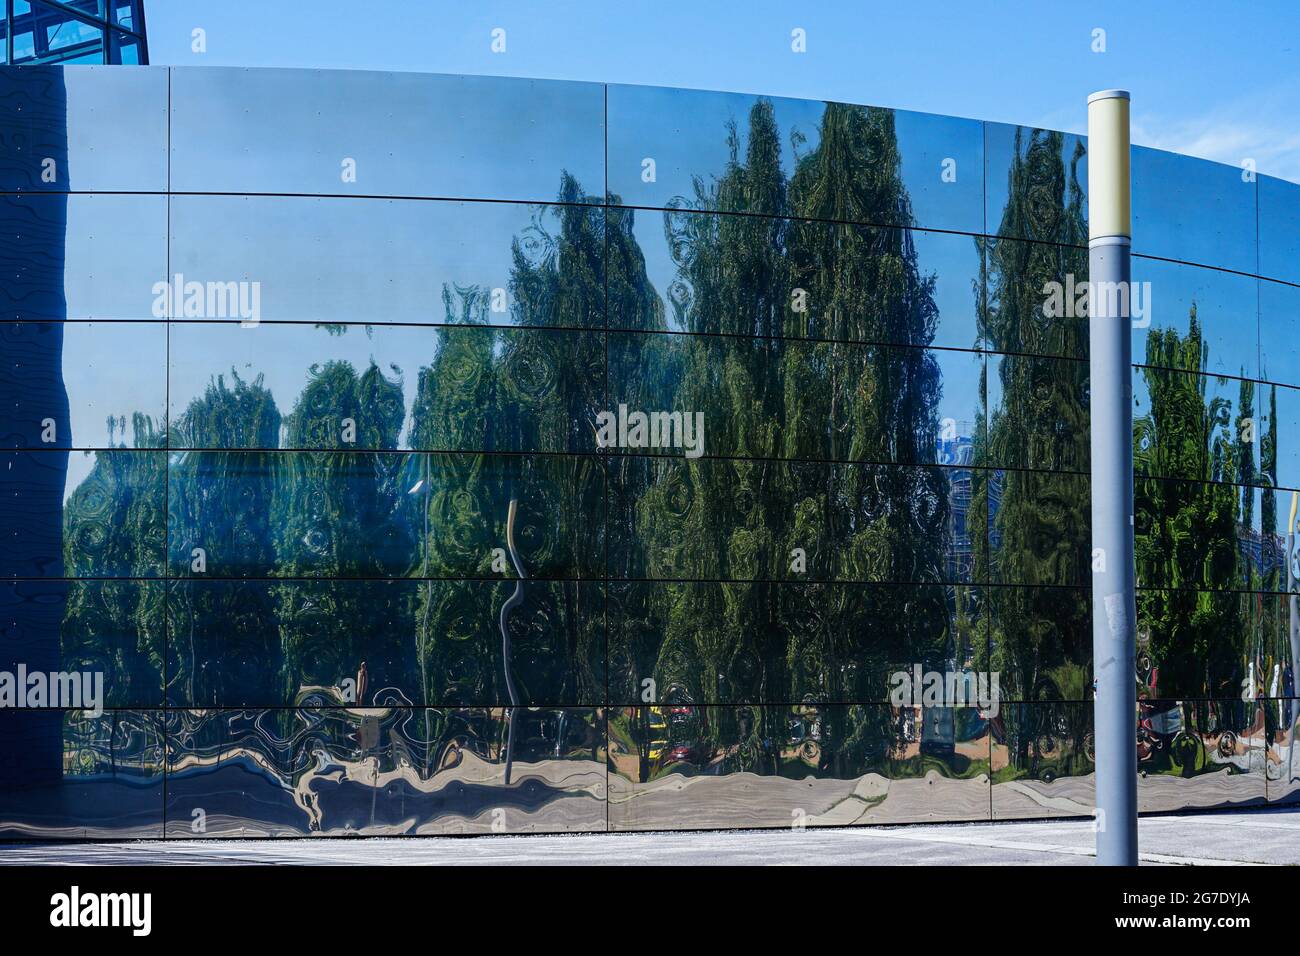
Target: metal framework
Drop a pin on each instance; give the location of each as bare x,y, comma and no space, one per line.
92,31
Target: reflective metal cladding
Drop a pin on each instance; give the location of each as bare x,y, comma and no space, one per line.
404,454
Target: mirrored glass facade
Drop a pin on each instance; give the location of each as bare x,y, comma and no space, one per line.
413,454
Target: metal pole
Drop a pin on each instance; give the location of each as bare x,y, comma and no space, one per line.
1114,610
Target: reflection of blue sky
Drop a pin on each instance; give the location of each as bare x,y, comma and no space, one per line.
348,260
409,135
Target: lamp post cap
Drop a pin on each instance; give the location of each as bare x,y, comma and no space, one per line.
1109,95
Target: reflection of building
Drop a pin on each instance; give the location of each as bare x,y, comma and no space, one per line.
389,328
74,31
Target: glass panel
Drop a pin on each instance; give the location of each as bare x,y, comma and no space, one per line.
1199,320
382,643
82,384
742,521
710,642
437,389
123,13
690,767
69,775
106,631
1201,643
1199,754
1038,413
1194,534
389,134
1035,301
790,278
1037,184
373,260
82,256
82,514
1286,417
786,399
126,48
1043,761
1041,641
361,514
295,514
1279,229
1279,332
1193,210
732,152
1204,427
385,772
1039,528
48,34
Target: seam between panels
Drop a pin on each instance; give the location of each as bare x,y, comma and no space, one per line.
606,588
166,635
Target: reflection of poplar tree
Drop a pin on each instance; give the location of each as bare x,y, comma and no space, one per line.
337,516
1042,523
768,399
514,390
212,506
112,525
1186,531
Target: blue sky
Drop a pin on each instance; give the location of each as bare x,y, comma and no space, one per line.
1217,80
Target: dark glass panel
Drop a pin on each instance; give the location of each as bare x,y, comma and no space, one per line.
295,514
1040,528
1201,643
1195,534
1043,760
109,631
1204,427
766,520
384,772
775,398
709,642
1038,413
1036,298
685,767
559,520
1041,641
68,775
382,643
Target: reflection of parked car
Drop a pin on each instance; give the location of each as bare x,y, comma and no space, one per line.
657,733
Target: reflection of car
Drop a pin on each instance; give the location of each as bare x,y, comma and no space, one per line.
657,732
681,753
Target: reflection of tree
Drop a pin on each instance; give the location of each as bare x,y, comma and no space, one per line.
1186,531
767,398
1040,522
336,515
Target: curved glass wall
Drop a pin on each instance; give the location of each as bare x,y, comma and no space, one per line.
428,454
